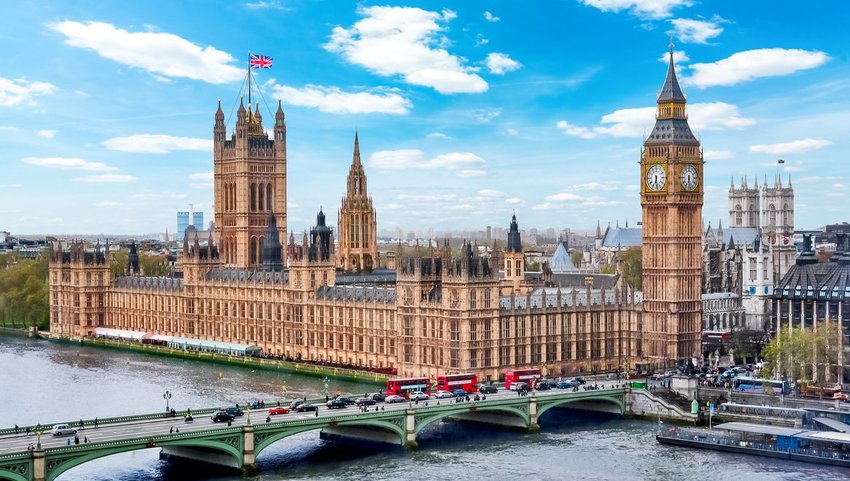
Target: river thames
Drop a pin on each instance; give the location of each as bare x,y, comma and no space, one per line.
44,382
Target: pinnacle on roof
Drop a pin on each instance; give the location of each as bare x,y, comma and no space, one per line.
219,114
671,91
356,148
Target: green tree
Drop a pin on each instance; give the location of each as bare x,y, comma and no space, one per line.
23,291
802,354
747,343
633,266
577,258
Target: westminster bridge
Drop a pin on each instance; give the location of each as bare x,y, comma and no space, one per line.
28,457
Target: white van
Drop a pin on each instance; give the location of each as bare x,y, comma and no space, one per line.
62,430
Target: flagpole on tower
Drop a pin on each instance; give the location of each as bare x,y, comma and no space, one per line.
249,79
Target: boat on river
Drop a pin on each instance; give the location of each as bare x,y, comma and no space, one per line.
820,447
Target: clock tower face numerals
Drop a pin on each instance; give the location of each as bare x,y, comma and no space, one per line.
689,178
655,178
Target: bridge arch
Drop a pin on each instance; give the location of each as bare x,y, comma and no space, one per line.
16,472
425,419
616,399
66,460
265,438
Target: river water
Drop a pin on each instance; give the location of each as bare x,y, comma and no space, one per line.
42,381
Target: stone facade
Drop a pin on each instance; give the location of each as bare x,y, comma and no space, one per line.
438,311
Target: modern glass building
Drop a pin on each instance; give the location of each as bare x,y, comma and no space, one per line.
183,222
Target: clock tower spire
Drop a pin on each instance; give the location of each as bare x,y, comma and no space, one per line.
671,200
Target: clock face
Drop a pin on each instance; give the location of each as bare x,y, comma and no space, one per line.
655,177
689,177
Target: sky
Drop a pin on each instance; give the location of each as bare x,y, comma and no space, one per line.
466,111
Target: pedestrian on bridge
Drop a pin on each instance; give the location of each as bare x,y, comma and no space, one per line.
85,440
95,423
268,419
16,429
171,431
317,412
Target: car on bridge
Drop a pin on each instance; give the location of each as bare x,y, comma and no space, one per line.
347,400
278,410
444,395
233,411
222,417
395,398
520,386
337,403
62,430
294,404
420,396
365,401
304,407
544,384
378,396
459,393
488,389
566,385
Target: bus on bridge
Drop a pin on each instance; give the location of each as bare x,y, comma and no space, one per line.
449,382
529,376
405,386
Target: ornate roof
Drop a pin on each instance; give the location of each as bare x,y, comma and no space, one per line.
622,237
561,260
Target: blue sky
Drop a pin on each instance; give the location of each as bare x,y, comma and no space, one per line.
466,110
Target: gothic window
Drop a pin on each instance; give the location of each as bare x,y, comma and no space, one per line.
786,216
739,217
269,197
473,301
772,215
253,197
261,197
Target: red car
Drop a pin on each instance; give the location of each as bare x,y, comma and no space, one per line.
278,410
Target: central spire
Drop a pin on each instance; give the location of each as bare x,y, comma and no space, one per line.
356,148
671,91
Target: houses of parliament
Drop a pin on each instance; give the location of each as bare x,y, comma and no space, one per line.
320,297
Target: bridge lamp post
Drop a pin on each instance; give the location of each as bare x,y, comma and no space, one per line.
326,381
167,397
38,431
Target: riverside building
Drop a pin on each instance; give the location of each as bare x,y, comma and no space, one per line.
440,310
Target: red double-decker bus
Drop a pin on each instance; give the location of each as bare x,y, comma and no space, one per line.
529,376
449,382
404,386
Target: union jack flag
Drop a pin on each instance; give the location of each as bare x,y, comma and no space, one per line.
260,61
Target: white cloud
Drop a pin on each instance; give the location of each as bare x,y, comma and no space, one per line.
158,53
596,186
514,201
640,8
406,41
575,130
486,115
489,194
207,176
438,135
696,31
752,64
8,128
679,56
635,122
511,132
265,5
794,147
716,154
563,197
464,162
19,91
335,101
47,134
545,206
157,144
105,178
499,63
490,17
68,163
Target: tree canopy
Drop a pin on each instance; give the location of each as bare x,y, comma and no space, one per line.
802,354
23,291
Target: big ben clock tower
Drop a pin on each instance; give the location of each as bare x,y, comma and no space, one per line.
671,167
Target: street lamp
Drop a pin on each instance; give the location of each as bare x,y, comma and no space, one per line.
167,397
38,430
326,381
